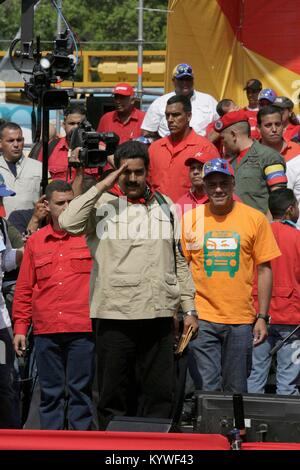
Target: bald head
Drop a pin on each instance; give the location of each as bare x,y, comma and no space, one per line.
242,128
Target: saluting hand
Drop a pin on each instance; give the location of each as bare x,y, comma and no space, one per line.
107,183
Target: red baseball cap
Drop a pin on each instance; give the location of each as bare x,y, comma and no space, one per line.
230,118
123,89
200,157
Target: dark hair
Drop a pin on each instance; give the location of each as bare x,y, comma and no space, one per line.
75,108
131,149
221,104
9,125
293,119
265,111
185,100
57,185
280,200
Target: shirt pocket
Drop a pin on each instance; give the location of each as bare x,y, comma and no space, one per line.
81,261
172,292
43,269
125,293
284,292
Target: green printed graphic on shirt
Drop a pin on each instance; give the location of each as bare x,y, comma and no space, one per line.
221,252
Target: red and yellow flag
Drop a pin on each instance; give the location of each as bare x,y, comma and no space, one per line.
227,42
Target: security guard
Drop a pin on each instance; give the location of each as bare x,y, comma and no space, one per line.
258,169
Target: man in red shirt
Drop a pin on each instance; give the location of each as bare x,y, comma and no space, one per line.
252,88
196,194
58,157
291,125
266,96
126,120
52,292
270,124
285,302
168,173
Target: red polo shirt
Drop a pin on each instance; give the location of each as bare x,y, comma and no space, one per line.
58,162
189,201
291,151
292,130
52,289
129,130
252,118
168,173
284,306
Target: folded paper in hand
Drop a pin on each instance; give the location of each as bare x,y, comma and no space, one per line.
184,340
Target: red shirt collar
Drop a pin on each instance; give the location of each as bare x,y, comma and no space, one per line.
133,116
199,200
242,154
50,232
117,191
62,144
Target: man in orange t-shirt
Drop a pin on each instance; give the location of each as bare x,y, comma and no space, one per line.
223,241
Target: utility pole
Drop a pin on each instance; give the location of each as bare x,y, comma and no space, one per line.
140,49
140,42
59,30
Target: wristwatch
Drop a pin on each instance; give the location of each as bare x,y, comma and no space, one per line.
264,316
190,313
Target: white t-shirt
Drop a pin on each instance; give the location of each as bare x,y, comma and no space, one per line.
293,176
203,112
7,263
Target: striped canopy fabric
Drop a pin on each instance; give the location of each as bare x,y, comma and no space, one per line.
227,42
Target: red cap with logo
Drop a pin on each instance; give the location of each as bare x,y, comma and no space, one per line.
229,119
200,157
123,89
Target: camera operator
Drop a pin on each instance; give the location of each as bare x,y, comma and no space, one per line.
59,148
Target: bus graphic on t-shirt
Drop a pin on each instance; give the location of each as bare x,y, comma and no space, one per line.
221,252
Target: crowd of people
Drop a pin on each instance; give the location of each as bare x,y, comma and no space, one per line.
191,229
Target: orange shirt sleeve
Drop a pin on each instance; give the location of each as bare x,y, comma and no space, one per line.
265,246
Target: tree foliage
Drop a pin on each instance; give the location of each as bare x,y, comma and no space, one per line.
96,22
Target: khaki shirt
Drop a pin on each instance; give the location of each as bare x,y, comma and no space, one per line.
26,184
133,275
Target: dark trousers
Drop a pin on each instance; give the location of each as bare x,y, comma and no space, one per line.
65,362
135,368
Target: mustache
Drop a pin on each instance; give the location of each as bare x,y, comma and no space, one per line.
132,185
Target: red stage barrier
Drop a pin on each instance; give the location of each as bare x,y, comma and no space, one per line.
270,446
11,439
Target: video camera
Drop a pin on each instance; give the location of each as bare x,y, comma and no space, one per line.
47,69
90,155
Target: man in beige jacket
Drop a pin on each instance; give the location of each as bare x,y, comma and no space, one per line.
138,281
